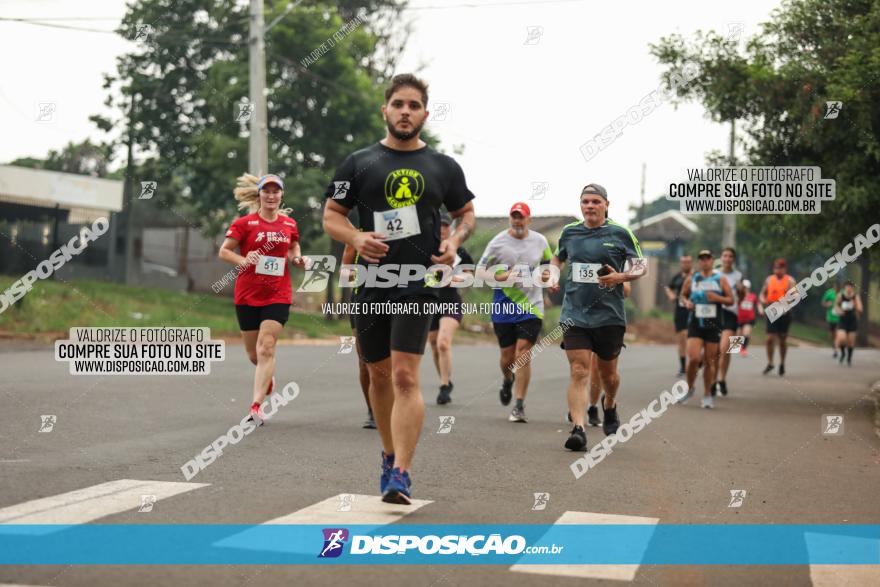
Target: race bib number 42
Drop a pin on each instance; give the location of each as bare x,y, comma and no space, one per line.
270,266
398,223
585,272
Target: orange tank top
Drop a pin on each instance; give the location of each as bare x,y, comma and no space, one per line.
776,287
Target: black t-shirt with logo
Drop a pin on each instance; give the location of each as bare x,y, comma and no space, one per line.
381,180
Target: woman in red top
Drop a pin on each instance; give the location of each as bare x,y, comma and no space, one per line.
746,315
267,239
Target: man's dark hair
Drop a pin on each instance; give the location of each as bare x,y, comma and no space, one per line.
407,79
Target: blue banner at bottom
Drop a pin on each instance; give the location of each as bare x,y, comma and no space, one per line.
455,544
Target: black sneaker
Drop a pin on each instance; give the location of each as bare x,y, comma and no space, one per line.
593,416
370,422
722,387
610,421
577,441
505,394
781,369
714,391
444,397
767,369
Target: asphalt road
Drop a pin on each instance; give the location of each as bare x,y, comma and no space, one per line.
765,438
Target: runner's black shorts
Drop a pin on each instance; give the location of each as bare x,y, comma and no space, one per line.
455,312
848,323
250,317
728,320
379,334
605,341
681,318
749,322
780,325
508,333
710,331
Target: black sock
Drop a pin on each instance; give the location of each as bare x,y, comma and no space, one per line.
746,342
849,351
519,403
681,361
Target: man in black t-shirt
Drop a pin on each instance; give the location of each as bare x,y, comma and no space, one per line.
398,186
681,313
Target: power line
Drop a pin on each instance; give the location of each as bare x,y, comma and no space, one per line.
57,26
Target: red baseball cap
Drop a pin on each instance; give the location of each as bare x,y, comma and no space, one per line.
522,208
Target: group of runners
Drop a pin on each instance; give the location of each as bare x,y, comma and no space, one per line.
399,188
712,305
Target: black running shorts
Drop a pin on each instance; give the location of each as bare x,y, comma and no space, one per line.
780,325
681,318
379,334
508,333
710,331
250,317
728,320
605,341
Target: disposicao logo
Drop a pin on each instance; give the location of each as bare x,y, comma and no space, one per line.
334,541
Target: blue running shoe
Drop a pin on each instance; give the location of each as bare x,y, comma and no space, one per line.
387,465
397,490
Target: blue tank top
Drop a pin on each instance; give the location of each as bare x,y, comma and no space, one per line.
699,286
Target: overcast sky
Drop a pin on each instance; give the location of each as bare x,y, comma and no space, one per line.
525,84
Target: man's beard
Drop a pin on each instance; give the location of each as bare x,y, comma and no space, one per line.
404,136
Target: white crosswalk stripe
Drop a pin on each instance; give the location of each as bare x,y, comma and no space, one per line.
88,504
613,572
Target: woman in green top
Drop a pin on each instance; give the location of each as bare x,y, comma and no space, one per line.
828,300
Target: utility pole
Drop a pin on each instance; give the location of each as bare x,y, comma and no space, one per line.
728,227
258,146
642,207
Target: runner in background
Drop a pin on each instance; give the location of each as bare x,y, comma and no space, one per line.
349,257
849,308
829,301
443,326
267,240
746,315
729,318
774,288
517,310
704,294
673,291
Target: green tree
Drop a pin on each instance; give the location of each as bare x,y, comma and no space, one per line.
181,86
809,53
84,158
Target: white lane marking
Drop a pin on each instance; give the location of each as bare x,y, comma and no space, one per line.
612,572
85,505
367,510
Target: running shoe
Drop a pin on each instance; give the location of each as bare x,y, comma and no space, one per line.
506,393
577,441
707,402
568,417
256,414
517,415
835,354
370,422
714,390
387,465
593,416
744,352
397,490
271,387
444,396
767,369
687,396
680,374
722,387
610,420
781,369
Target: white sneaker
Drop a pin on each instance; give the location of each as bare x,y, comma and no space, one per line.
707,402
686,397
